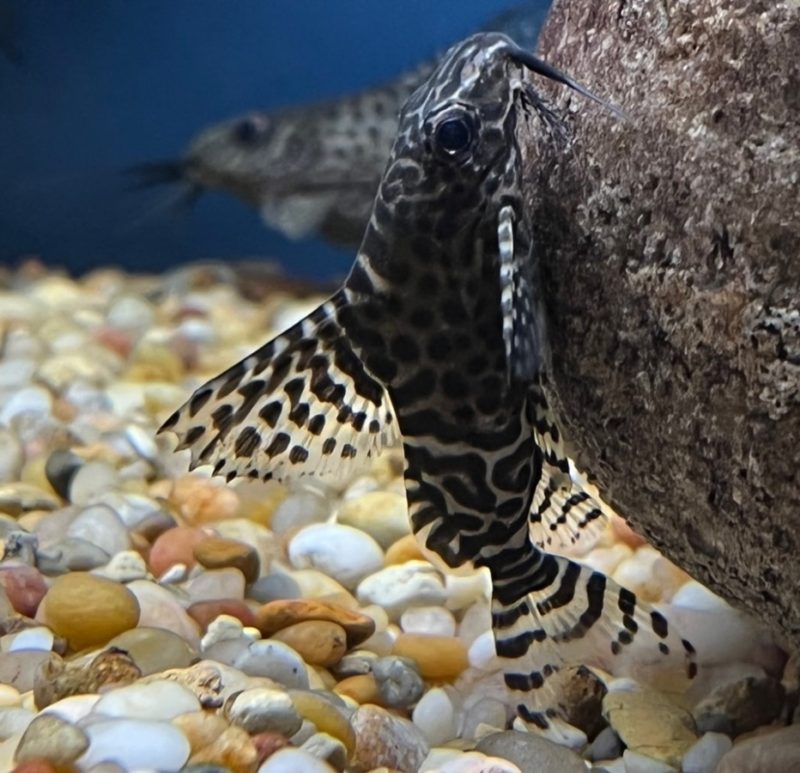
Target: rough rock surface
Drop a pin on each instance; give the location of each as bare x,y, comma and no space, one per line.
670,250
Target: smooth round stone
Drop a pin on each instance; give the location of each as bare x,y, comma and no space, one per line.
60,469
454,761
221,553
37,638
399,682
232,750
25,588
73,708
161,608
464,590
605,746
395,588
313,584
88,611
141,441
342,552
101,526
362,688
17,669
274,587
327,748
175,546
12,456
319,642
381,514
438,658
297,510
19,497
433,621
51,738
641,763
530,752
9,696
277,615
130,312
405,549
385,740
135,744
29,400
327,716
435,717
292,761
482,653
263,710
124,567
474,622
216,585
199,727
275,660
71,555
93,478
160,699
705,755
261,539
154,649
14,720
488,712
205,612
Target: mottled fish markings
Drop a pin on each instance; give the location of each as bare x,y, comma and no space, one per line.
437,336
312,168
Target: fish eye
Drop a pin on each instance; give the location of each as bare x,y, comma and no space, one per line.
454,135
249,129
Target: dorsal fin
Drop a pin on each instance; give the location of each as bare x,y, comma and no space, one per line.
302,404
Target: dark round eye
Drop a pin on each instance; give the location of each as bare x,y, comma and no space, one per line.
249,129
454,135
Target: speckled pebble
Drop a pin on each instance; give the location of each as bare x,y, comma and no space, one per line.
262,710
399,681
383,739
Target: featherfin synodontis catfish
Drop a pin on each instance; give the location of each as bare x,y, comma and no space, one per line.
437,335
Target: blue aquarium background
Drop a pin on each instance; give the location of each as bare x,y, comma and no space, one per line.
91,87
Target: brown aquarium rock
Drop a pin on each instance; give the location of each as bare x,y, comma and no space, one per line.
670,251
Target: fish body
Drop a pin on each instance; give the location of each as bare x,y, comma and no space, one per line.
313,168
437,337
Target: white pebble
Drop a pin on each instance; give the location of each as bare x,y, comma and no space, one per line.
276,661
607,559
73,708
135,744
101,526
261,709
129,312
14,719
222,628
395,588
463,590
35,399
160,608
706,753
434,715
161,699
693,595
297,510
215,584
124,567
342,552
482,653
433,621
294,760
38,638
16,373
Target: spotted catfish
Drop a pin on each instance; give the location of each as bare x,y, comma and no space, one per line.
438,336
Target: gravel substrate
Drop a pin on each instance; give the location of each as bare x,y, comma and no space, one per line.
153,619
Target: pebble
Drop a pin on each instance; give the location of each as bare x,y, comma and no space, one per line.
395,588
92,479
294,760
325,747
88,611
342,552
101,526
34,400
175,546
276,586
161,608
274,660
135,744
221,553
199,727
741,706
49,737
12,456
381,514
485,712
263,710
9,696
582,696
776,752
605,746
362,688
161,699
297,510
36,638
314,584
204,612
154,649
635,762
72,709
431,621
464,590
232,750
530,752
405,549
14,720
267,546
385,740
650,724
24,586
438,658
17,498
216,584
326,716
319,642
124,567
17,668
705,755
434,715
71,555
276,615
399,682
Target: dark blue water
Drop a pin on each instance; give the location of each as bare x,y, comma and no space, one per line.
104,84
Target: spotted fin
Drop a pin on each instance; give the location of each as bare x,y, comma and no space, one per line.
579,616
563,512
521,335
302,404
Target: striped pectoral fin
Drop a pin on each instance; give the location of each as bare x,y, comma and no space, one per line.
577,616
562,512
302,404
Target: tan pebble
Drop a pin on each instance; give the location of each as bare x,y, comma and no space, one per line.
33,473
439,658
222,553
362,688
319,642
201,501
154,362
326,678
276,615
48,737
154,649
381,514
259,502
9,696
87,610
327,717
199,727
233,748
175,546
405,549
624,533
345,599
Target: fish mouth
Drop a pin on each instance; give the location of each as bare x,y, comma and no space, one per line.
156,174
